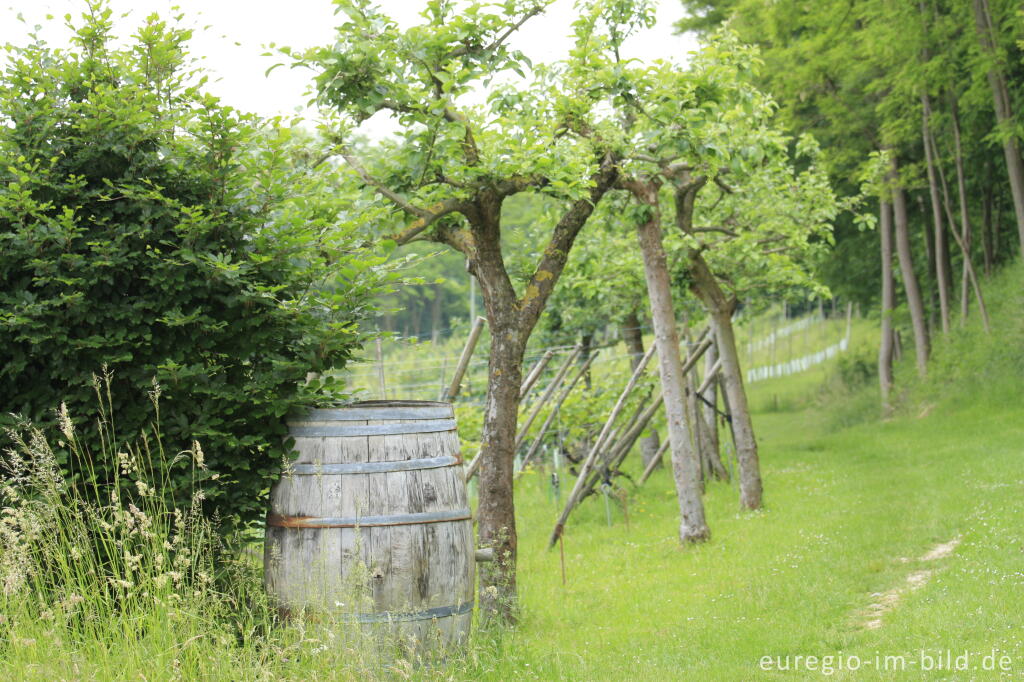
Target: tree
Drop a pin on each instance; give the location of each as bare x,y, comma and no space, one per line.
709,127
451,170
192,250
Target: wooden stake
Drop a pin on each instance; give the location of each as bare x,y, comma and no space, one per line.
554,411
474,466
380,371
467,353
588,463
548,392
534,374
653,463
444,370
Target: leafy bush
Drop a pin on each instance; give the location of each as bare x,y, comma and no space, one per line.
146,227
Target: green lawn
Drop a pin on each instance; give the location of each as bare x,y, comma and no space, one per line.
848,514
853,504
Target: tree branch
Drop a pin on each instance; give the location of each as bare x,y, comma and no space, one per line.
712,228
551,264
467,50
425,217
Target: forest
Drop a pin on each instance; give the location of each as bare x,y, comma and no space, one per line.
702,367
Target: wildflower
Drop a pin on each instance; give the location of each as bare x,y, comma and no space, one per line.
64,420
197,454
144,490
126,462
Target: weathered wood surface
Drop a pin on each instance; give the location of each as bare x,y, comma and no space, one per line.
349,537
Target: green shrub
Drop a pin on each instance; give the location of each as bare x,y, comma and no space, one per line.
146,227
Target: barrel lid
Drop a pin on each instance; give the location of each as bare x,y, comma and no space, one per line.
379,410
400,403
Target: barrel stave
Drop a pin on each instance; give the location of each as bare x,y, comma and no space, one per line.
412,567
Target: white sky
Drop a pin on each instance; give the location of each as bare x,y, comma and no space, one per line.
239,30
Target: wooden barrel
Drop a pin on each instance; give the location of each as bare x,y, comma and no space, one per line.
371,521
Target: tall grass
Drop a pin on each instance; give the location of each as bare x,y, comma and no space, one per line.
110,580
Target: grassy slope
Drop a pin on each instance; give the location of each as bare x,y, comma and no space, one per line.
849,512
852,503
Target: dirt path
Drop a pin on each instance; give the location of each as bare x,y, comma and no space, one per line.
886,601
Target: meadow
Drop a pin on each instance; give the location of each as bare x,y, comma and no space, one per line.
884,545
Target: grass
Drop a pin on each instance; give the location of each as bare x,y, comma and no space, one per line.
852,505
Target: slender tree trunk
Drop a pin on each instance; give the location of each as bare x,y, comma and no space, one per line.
930,290
685,465
942,280
910,285
966,233
714,450
721,308
694,418
988,252
979,297
1004,111
885,349
633,335
586,343
435,314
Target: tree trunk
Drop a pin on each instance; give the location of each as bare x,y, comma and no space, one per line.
714,450
586,344
685,466
435,314
967,260
885,349
496,509
988,252
1004,112
720,307
942,279
970,276
633,335
693,416
910,285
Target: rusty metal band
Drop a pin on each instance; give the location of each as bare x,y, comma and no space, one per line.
282,521
371,467
299,430
427,614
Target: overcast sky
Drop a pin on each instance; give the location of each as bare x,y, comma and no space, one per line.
239,30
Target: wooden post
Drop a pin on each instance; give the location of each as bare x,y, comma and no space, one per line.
534,374
460,369
588,463
554,411
444,370
380,371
